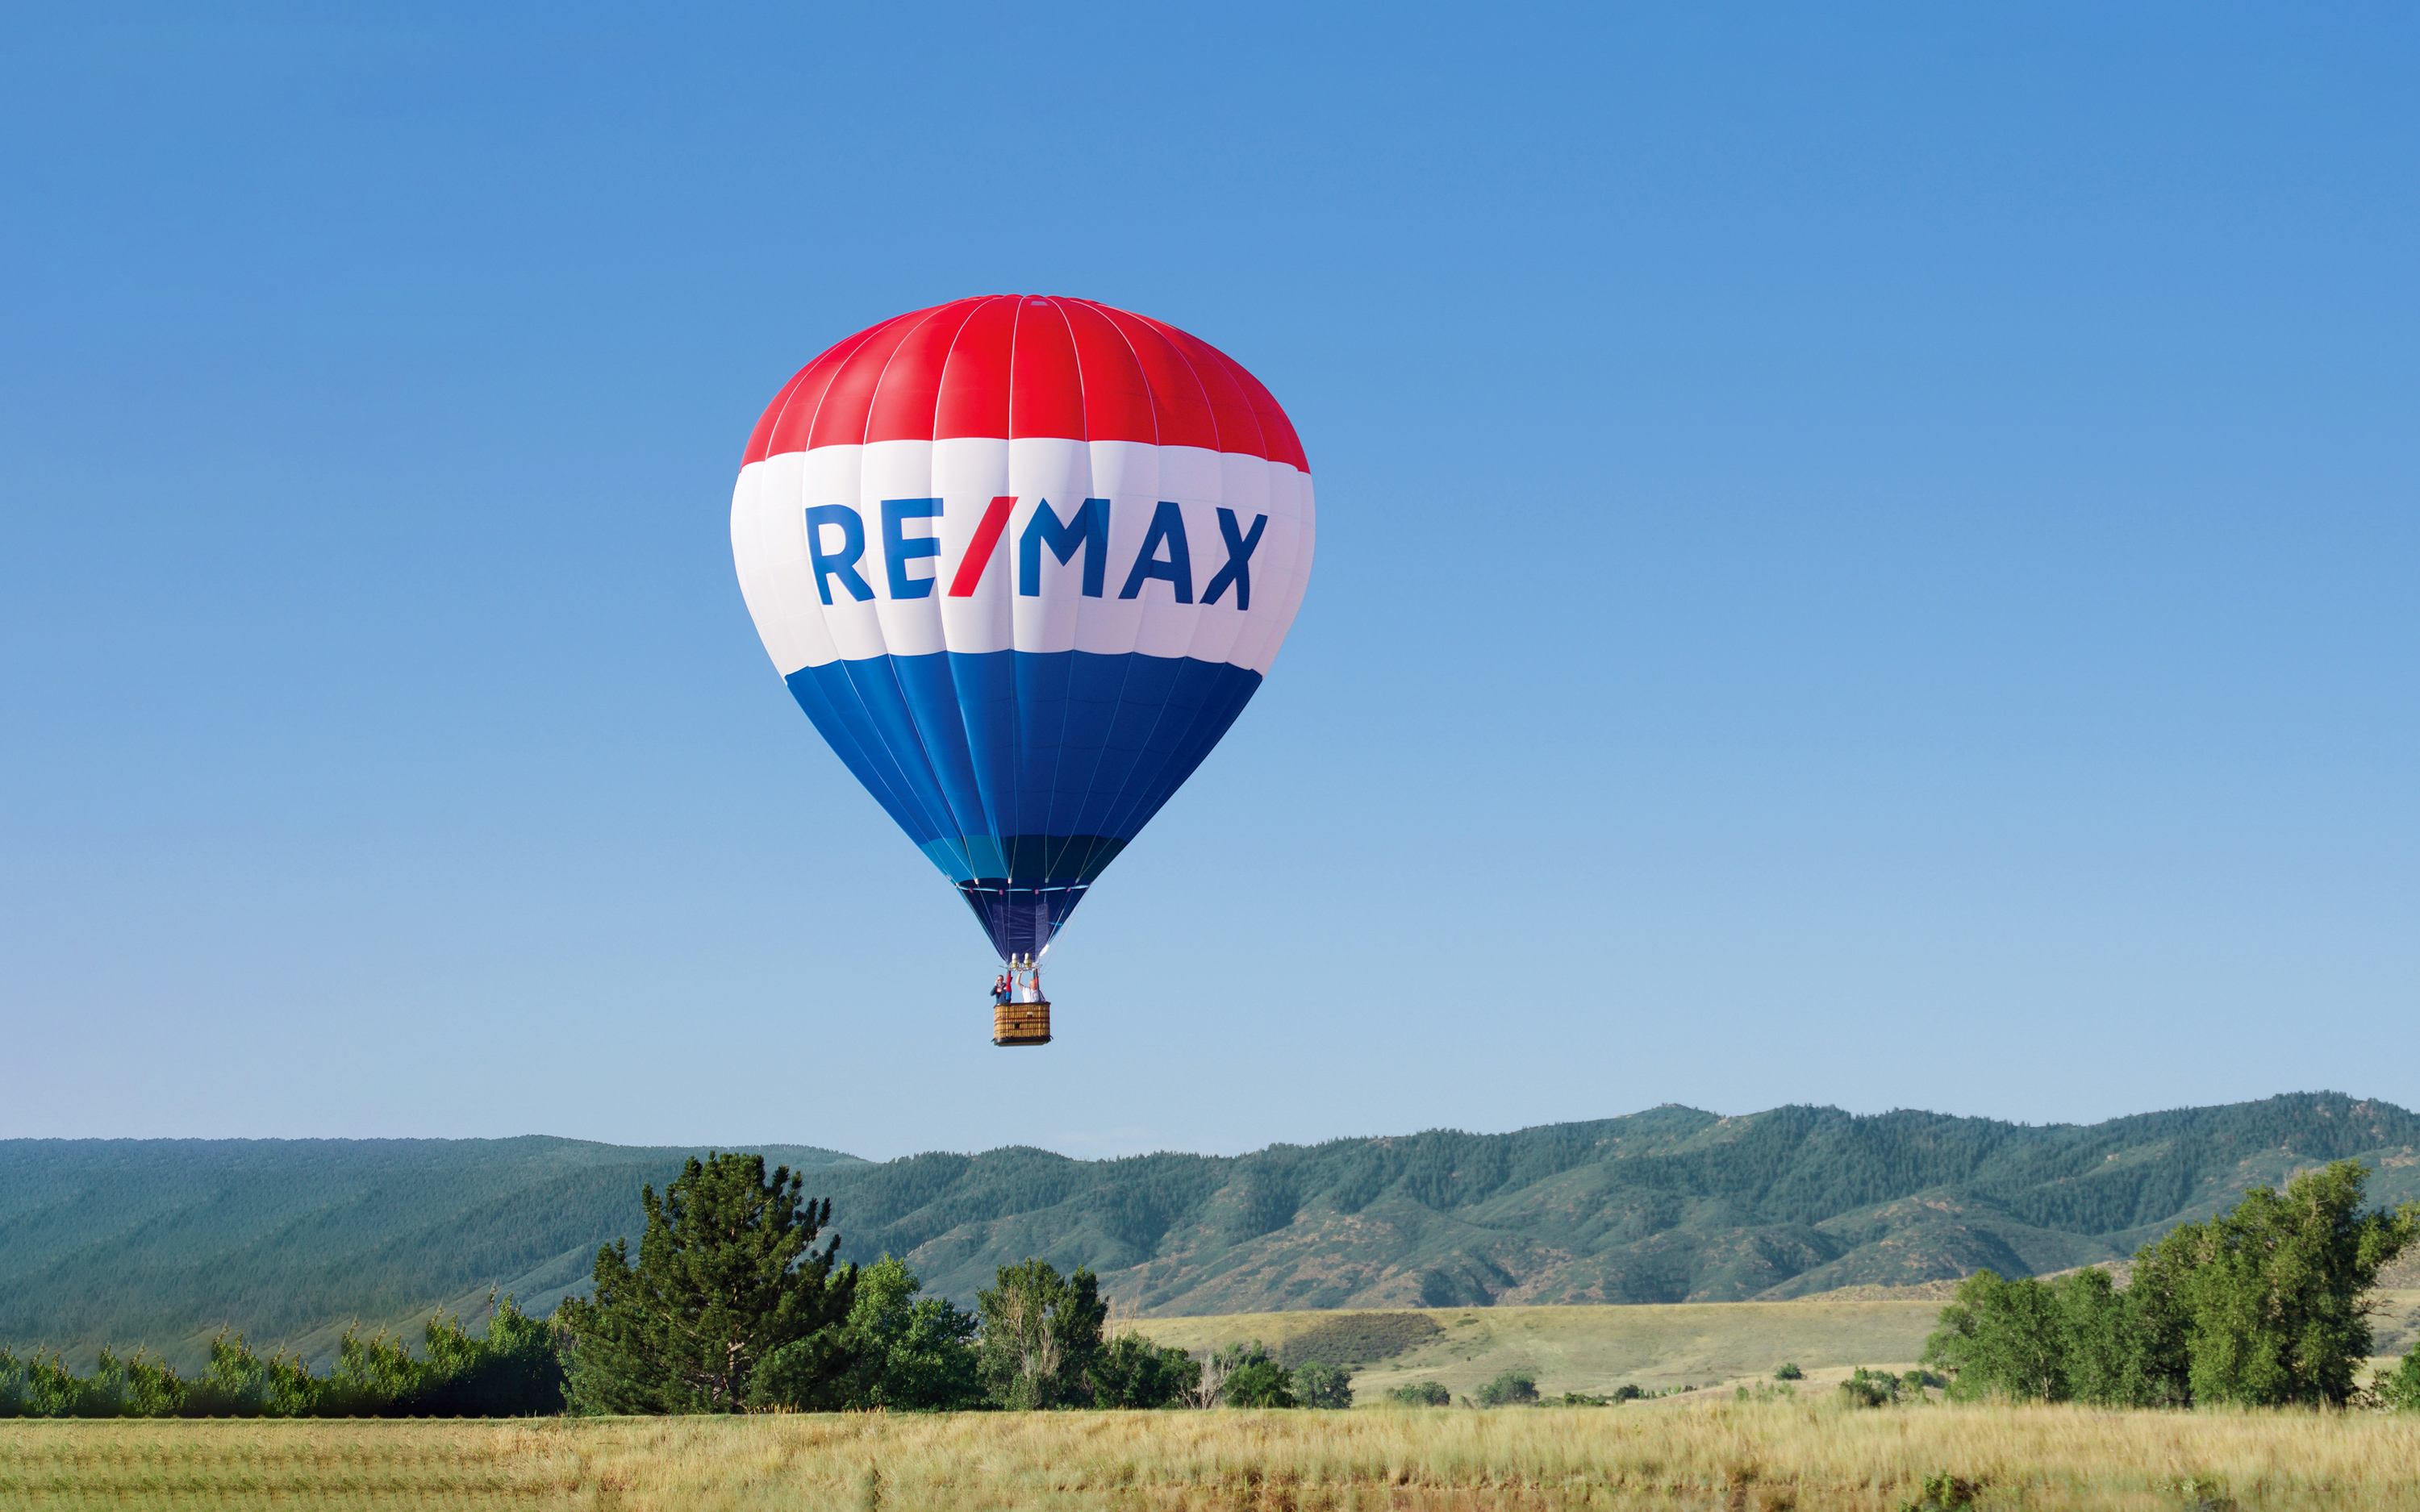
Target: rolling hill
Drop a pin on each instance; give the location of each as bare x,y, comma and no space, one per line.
1666,1206
162,1241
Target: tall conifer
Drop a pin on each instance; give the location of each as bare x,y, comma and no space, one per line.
728,1272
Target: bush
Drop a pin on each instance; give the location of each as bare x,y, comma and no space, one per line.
1242,1375
2399,1388
896,1352
1869,1388
515,1371
1627,1391
1132,1371
1359,1339
1262,1383
1513,1388
1421,1393
1790,1371
40,1387
240,1383
2003,1338
1943,1492
1323,1385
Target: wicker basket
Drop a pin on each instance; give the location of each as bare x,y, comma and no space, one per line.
1020,1024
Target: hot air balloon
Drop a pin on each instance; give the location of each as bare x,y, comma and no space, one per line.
1022,560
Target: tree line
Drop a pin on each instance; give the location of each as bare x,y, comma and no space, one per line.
2263,1305
729,1305
515,1371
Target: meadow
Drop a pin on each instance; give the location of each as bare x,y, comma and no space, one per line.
1590,1349
1806,1453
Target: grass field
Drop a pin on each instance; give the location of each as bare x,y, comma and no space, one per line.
1593,1350
1806,1453
1698,1450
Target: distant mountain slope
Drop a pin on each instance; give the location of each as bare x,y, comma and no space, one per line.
162,1241
1670,1205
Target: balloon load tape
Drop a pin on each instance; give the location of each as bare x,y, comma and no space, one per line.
1016,1024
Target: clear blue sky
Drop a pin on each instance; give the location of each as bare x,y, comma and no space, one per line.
1867,556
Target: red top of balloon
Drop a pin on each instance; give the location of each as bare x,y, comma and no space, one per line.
1012,365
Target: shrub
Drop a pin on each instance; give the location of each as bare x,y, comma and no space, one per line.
1260,1384
1245,1375
516,1370
1324,1385
896,1352
1869,1388
40,1387
1943,1492
1513,1388
1421,1393
2003,1337
1132,1371
1790,1371
1359,1339
2399,1388
240,1383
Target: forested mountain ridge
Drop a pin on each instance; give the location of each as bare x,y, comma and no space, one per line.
1670,1205
160,1242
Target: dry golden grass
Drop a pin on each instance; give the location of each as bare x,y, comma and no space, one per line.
1593,1350
1654,1345
1805,1454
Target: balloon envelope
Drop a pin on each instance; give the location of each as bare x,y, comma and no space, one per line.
1022,560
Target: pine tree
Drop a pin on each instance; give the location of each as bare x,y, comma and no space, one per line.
728,1273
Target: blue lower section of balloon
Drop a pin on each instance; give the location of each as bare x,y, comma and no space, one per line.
1022,774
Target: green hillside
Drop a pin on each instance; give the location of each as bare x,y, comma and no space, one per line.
1667,1206
162,1241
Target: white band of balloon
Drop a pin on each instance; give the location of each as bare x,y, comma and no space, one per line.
908,605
